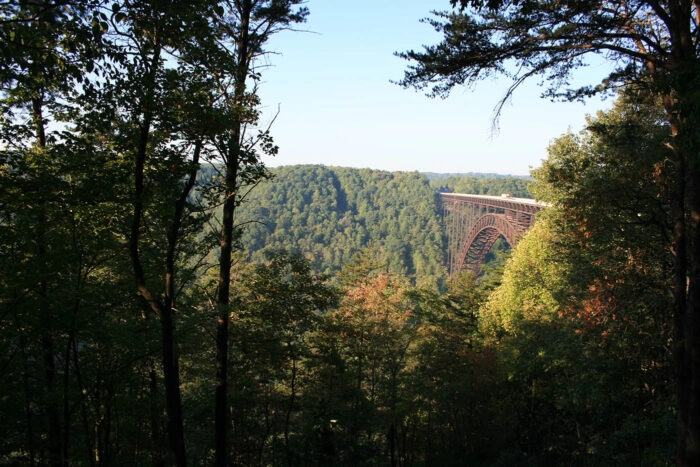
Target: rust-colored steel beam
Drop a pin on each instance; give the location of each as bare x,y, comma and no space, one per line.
474,223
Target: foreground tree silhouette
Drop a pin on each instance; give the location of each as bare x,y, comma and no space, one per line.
654,45
46,49
249,26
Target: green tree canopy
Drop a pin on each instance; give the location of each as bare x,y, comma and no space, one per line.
651,46
585,295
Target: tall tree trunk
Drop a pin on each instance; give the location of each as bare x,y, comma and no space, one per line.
173,401
221,416
233,159
171,366
688,364
680,284
47,322
691,341
157,442
685,207
50,399
164,310
684,117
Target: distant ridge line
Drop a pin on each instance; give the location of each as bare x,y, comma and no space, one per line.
439,176
429,175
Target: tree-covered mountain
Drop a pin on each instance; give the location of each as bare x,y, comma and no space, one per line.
478,184
330,214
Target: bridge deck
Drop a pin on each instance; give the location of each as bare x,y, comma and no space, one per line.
501,201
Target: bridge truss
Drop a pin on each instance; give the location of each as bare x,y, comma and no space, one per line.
474,223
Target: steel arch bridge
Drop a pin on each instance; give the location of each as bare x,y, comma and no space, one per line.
474,223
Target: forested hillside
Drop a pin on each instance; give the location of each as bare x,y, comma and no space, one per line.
482,185
150,315
331,213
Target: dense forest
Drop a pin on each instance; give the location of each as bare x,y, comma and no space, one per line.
330,214
166,299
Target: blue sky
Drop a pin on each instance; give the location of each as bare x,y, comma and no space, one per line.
337,105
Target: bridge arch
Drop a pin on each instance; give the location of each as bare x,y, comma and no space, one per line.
473,223
481,238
